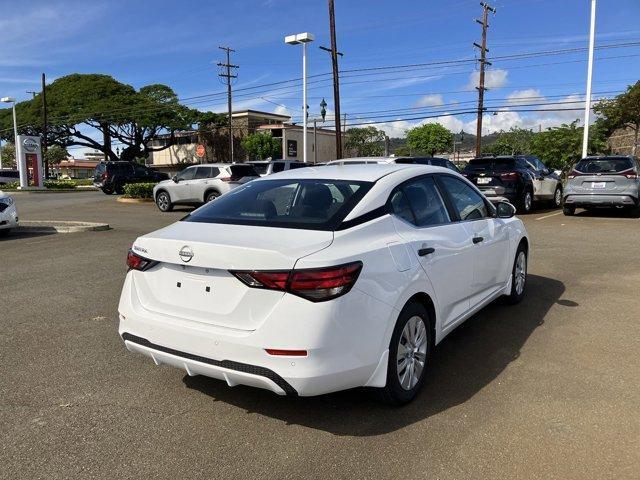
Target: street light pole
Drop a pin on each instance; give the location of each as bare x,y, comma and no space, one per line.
587,103
302,38
23,174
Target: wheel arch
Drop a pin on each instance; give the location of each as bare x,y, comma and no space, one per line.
159,191
208,191
425,300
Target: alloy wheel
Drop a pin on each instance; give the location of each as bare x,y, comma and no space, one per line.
163,202
520,274
412,353
528,201
558,197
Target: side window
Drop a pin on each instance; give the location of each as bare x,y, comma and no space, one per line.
278,167
202,172
215,171
187,173
468,203
400,207
425,202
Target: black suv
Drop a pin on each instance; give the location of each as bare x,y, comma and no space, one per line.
513,178
112,176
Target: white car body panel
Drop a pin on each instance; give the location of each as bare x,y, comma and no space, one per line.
8,217
168,314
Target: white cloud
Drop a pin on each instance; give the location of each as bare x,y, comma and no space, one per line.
519,97
492,79
430,101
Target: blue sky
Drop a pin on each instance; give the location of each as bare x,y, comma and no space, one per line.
176,43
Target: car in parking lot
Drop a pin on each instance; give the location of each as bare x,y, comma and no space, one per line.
606,181
8,175
434,161
267,167
8,213
322,279
520,179
111,176
199,184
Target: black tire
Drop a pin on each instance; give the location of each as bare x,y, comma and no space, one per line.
210,196
557,197
5,232
569,211
394,393
525,203
163,201
516,295
107,191
119,189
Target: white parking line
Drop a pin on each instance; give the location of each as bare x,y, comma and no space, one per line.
547,216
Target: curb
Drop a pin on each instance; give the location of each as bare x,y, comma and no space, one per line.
61,226
58,190
135,200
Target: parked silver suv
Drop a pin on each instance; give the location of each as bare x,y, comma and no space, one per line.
199,184
603,182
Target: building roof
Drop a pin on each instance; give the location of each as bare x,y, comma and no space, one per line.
258,113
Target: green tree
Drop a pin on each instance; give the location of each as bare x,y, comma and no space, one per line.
55,154
262,145
213,132
430,138
365,142
560,147
622,111
119,112
8,156
516,141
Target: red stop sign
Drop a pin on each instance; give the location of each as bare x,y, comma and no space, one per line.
200,151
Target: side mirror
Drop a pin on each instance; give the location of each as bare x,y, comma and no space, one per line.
505,210
175,178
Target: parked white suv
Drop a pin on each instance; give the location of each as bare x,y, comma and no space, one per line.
200,184
322,279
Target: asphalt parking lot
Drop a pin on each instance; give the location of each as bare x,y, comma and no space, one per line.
545,389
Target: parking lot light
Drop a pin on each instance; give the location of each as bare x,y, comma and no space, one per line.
23,173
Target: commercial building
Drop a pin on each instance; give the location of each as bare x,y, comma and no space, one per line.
245,122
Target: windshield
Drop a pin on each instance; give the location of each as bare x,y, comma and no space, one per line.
308,204
260,168
604,165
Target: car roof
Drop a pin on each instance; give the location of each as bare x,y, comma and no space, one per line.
358,172
362,159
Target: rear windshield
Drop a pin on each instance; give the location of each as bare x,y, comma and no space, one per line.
239,171
308,204
481,164
260,168
604,165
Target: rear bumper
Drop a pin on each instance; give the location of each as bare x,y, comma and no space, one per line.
600,200
344,339
9,218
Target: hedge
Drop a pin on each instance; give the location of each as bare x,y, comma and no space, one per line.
60,184
10,186
139,190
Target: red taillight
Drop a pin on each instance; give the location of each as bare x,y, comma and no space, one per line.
225,179
136,262
316,284
574,174
509,176
630,173
286,353
104,176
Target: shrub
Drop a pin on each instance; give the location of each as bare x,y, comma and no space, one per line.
139,190
10,186
59,184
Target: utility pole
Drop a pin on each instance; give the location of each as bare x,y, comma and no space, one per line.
315,140
486,8
45,126
336,74
587,103
228,76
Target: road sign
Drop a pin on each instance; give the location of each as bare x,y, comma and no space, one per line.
200,151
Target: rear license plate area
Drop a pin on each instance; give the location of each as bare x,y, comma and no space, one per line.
598,185
484,180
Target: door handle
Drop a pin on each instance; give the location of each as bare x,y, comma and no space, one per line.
478,239
426,251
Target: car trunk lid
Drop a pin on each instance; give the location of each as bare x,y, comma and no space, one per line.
192,280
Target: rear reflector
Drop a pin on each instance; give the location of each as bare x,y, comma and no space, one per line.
314,284
286,353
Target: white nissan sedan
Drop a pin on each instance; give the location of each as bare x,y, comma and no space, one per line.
8,213
322,279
